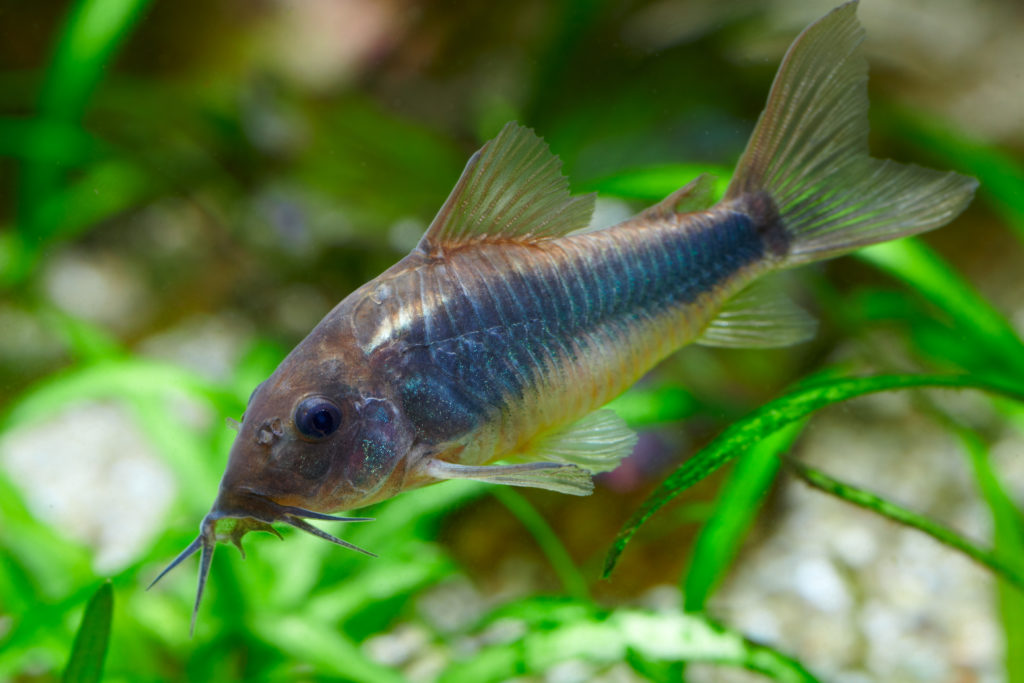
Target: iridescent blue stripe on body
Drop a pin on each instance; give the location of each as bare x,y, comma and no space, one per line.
495,318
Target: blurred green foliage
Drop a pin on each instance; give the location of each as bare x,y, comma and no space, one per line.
176,168
90,648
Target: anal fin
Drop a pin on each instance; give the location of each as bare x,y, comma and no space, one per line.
760,316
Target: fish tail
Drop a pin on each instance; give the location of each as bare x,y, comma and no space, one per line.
809,155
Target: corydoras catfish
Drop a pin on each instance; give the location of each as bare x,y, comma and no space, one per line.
510,325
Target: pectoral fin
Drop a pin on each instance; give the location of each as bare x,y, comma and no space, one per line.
562,461
597,443
542,475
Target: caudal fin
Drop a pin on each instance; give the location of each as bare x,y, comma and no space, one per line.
809,154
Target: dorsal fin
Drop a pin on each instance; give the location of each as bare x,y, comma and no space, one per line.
512,189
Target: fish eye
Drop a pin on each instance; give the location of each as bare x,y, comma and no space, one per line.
317,417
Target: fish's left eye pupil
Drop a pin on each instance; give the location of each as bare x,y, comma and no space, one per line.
317,417
322,420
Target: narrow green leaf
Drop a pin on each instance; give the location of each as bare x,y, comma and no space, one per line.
737,503
942,534
323,646
642,407
720,538
415,513
92,33
51,563
416,568
90,649
652,183
119,377
103,190
1009,543
769,418
45,141
85,340
913,262
562,631
568,573
145,386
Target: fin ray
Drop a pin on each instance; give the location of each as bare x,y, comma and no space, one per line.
809,152
760,316
597,443
696,195
512,189
562,478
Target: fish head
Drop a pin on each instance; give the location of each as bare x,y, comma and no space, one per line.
316,437
316,440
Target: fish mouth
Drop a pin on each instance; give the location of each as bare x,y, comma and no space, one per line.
234,516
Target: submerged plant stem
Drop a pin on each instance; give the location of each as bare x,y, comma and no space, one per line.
549,542
869,501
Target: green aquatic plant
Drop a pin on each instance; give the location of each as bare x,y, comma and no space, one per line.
92,170
90,649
